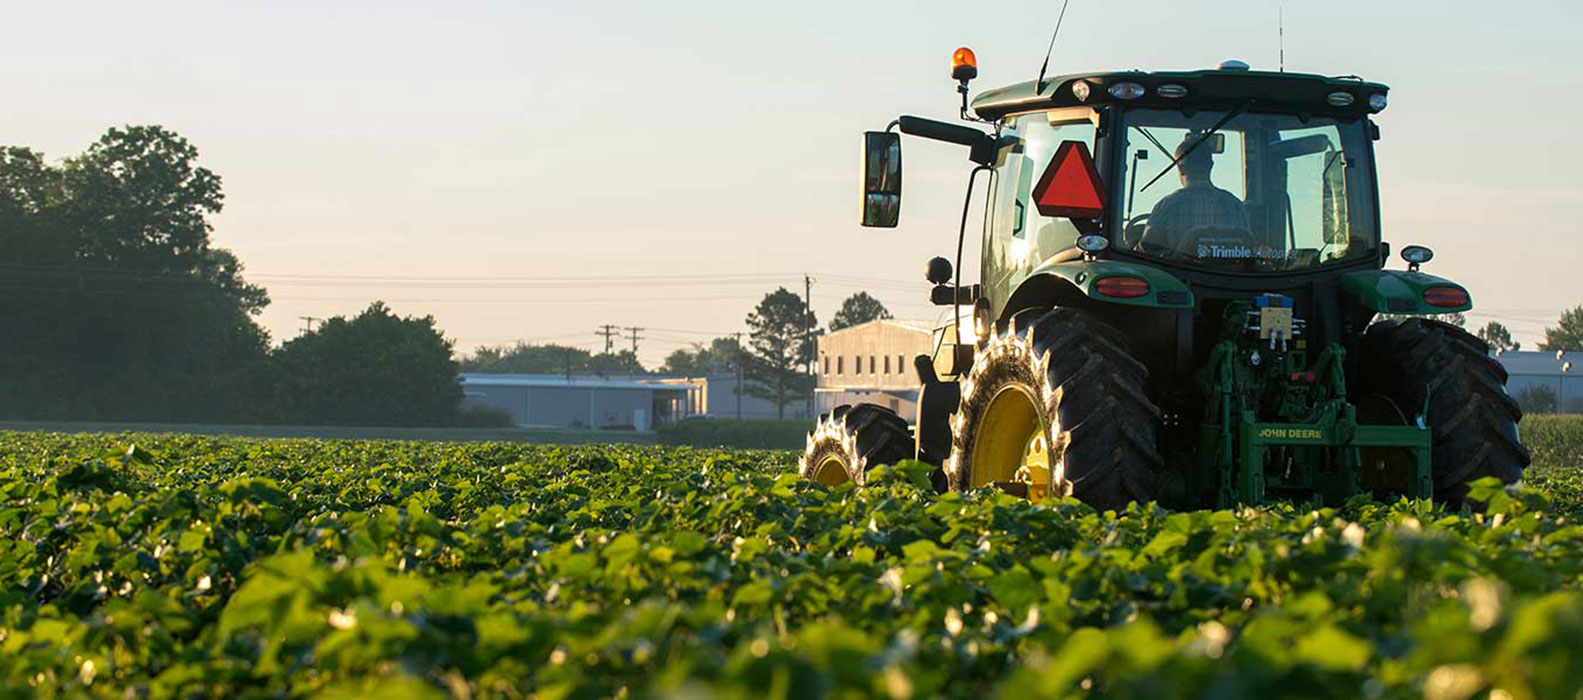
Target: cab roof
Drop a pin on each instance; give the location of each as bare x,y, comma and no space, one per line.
1302,93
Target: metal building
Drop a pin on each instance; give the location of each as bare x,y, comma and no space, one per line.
581,402
1561,373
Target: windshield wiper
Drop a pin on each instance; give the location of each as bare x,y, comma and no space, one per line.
1163,150
1207,135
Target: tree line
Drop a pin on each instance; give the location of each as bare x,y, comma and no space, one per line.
116,306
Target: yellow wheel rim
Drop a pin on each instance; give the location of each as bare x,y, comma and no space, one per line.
831,472
1012,445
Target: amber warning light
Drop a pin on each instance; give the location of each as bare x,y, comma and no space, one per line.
964,65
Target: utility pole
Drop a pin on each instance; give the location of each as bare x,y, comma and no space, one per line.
741,376
307,323
635,338
609,332
807,324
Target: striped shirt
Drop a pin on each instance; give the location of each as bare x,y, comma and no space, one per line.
1198,205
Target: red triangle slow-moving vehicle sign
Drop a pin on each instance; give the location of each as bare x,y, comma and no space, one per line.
1070,186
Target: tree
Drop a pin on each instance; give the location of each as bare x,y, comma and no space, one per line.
780,345
1568,333
113,303
372,369
720,356
523,358
858,308
1537,398
1498,337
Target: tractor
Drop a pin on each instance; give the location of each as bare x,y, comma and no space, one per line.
1182,297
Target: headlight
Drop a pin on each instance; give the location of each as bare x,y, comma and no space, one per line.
1080,90
1092,244
1126,91
1417,254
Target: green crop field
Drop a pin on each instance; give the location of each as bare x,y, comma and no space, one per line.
135,566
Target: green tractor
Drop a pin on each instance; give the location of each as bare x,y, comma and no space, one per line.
1182,298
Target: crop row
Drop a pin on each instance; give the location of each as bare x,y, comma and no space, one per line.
184,565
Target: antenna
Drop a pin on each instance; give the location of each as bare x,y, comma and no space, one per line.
1280,28
1038,85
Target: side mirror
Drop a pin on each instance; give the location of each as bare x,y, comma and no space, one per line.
881,178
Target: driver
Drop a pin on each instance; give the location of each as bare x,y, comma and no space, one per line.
1198,205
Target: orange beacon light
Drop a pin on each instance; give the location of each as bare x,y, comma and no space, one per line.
964,65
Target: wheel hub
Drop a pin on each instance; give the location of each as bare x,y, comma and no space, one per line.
1011,448
831,472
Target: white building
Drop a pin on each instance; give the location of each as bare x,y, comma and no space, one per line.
872,363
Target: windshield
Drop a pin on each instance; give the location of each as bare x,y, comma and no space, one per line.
1262,192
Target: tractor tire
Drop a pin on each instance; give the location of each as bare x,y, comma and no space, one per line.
1473,419
850,440
1089,408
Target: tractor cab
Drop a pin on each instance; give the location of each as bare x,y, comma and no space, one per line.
1221,171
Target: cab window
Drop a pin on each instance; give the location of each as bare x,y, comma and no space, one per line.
1017,238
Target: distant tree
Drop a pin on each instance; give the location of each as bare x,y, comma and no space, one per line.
1568,333
618,362
780,346
372,369
720,356
113,303
1537,398
1498,337
523,358
857,309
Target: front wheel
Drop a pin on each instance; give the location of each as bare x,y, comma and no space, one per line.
1055,405
851,440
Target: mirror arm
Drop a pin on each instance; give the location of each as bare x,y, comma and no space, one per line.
982,145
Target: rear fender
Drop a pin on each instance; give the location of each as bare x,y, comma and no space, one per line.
1398,291
1071,283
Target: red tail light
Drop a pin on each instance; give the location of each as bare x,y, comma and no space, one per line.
1121,287
1446,297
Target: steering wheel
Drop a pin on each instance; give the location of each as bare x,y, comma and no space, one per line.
1132,231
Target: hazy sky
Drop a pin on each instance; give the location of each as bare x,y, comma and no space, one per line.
470,159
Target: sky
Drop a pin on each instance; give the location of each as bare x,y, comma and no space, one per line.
532,170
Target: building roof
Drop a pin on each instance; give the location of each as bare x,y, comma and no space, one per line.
562,381
919,325
1540,362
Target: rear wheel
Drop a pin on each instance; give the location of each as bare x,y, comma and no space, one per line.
1418,362
1056,405
851,440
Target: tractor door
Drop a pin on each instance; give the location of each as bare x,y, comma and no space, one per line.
1016,237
